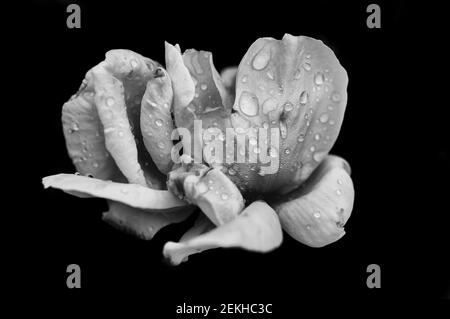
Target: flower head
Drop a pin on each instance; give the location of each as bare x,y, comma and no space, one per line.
248,147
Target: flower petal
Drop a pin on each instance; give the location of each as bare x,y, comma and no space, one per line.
257,229
134,195
315,213
209,189
119,83
142,223
298,87
156,120
85,140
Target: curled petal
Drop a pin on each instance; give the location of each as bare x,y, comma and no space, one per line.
142,223
156,120
209,189
85,140
257,229
315,213
133,195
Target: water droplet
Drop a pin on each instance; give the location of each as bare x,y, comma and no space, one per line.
318,78
110,101
221,137
261,59
231,171
203,86
124,191
288,106
133,63
283,129
95,164
339,181
338,192
330,107
273,152
120,133
317,214
312,148
75,127
253,141
270,75
202,188
323,118
307,66
303,98
244,79
317,137
297,74
331,122
159,122
224,196
301,138
318,156
161,144
269,105
308,227
335,97
249,104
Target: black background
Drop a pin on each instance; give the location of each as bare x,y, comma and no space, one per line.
392,136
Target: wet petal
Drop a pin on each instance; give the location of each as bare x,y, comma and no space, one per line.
183,86
156,120
209,189
256,229
142,223
298,87
228,76
133,195
85,140
315,213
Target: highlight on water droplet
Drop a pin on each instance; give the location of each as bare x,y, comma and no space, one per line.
203,86
110,101
317,137
338,192
261,59
231,171
288,106
161,144
307,66
244,79
318,78
287,151
159,122
301,138
317,214
133,63
120,133
224,196
323,118
248,103
303,98
269,105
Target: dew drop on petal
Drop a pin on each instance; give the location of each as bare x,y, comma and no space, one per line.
301,138
244,79
203,86
249,104
338,192
252,141
297,74
318,156
323,118
133,63
231,171
318,78
159,122
287,151
120,133
317,214
288,106
317,137
95,164
110,101
307,66
312,148
339,181
283,129
269,105
331,122
224,196
75,127
270,75
161,144
202,188
335,97
303,98
261,59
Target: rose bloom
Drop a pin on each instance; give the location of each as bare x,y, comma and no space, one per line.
248,147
